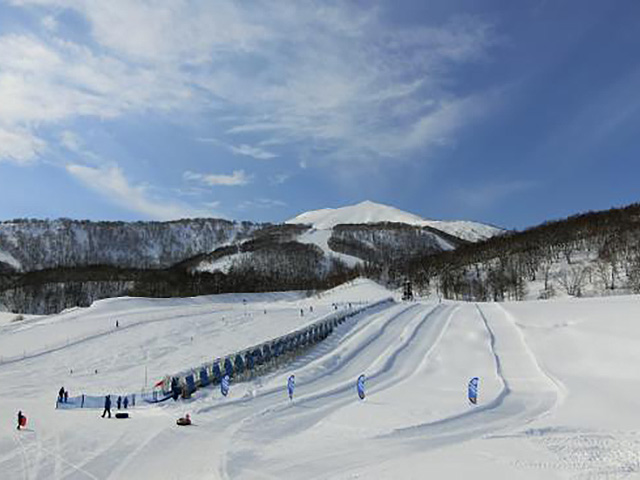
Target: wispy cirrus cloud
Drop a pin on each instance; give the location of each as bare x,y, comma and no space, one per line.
261,203
331,75
489,194
110,182
19,146
255,152
237,178
246,150
279,178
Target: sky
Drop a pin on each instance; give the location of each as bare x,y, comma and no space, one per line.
510,113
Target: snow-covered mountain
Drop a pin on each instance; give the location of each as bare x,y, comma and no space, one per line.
28,245
371,212
366,232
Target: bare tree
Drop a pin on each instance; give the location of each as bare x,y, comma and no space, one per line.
573,279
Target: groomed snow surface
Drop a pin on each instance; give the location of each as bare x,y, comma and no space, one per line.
558,397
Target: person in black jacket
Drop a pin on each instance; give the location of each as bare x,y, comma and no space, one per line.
119,402
107,406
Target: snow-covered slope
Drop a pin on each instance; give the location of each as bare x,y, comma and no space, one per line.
540,413
371,212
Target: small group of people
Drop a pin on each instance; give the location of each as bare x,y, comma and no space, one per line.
63,396
120,402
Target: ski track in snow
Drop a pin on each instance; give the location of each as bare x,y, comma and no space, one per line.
417,358
518,403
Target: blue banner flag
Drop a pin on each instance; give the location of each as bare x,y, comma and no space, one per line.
473,390
360,386
291,385
224,385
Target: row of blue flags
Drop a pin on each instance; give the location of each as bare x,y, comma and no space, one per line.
472,390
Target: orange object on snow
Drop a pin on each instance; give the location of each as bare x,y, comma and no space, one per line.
23,421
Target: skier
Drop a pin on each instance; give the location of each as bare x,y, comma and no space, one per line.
119,403
61,394
107,406
22,420
125,402
117,324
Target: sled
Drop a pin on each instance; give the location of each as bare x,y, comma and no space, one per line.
183,422
122,415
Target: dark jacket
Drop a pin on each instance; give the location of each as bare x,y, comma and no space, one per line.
107,402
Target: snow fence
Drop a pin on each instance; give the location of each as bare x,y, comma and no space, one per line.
256,360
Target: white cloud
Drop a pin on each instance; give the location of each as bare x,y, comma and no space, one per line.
50,83
335,76
279,178
487,195
237,178
255,152
111,182
50,23
19,146
244,149
261,203
70,141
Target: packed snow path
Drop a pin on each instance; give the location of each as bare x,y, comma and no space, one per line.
415,420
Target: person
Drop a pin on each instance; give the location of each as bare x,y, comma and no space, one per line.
117,324
119,402
107,406
186,420
61,394
125,402
22,420
66,396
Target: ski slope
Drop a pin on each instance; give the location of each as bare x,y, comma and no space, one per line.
557,398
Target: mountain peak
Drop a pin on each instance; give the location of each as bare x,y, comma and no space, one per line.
363,212
372,212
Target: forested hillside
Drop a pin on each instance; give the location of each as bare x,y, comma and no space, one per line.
595,253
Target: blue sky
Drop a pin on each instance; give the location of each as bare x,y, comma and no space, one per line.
505,112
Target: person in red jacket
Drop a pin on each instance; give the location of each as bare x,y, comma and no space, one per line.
22,420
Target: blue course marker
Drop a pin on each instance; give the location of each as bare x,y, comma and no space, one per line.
360,386
224,385
473,390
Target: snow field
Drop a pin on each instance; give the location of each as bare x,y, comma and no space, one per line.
557,398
